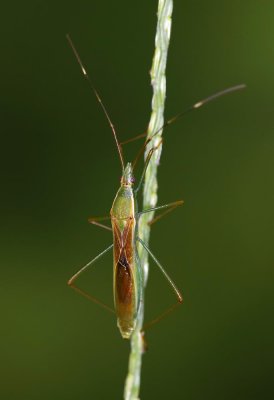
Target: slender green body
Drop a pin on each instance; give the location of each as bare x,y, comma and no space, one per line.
127,271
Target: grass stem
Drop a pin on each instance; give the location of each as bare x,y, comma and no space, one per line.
158,81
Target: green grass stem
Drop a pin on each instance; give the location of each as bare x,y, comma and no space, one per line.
158,81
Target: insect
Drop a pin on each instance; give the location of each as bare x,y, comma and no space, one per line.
128,287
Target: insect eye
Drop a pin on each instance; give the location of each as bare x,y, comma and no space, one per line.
132,179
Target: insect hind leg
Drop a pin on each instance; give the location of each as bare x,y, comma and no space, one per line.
71,281
172,284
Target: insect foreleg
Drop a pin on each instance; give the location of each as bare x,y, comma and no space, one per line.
150,153
137,137
95,221
170,207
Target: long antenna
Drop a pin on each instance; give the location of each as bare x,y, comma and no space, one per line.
98,98
195,106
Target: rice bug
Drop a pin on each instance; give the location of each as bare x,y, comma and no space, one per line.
128,285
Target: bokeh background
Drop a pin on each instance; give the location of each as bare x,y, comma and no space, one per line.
59,165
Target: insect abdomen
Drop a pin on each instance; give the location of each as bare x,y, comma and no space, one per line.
124,281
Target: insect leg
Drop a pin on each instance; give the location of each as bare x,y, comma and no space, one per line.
137,137
172,284
82,292
151,151
170,207
94,221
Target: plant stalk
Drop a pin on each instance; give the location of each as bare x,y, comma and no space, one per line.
158,81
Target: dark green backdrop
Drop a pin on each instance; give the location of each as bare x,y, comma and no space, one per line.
59,165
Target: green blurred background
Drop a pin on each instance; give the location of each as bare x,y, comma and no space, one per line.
59,165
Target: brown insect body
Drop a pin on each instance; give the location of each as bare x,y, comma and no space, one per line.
127,282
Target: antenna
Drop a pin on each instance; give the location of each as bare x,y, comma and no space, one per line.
194,107
98,98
